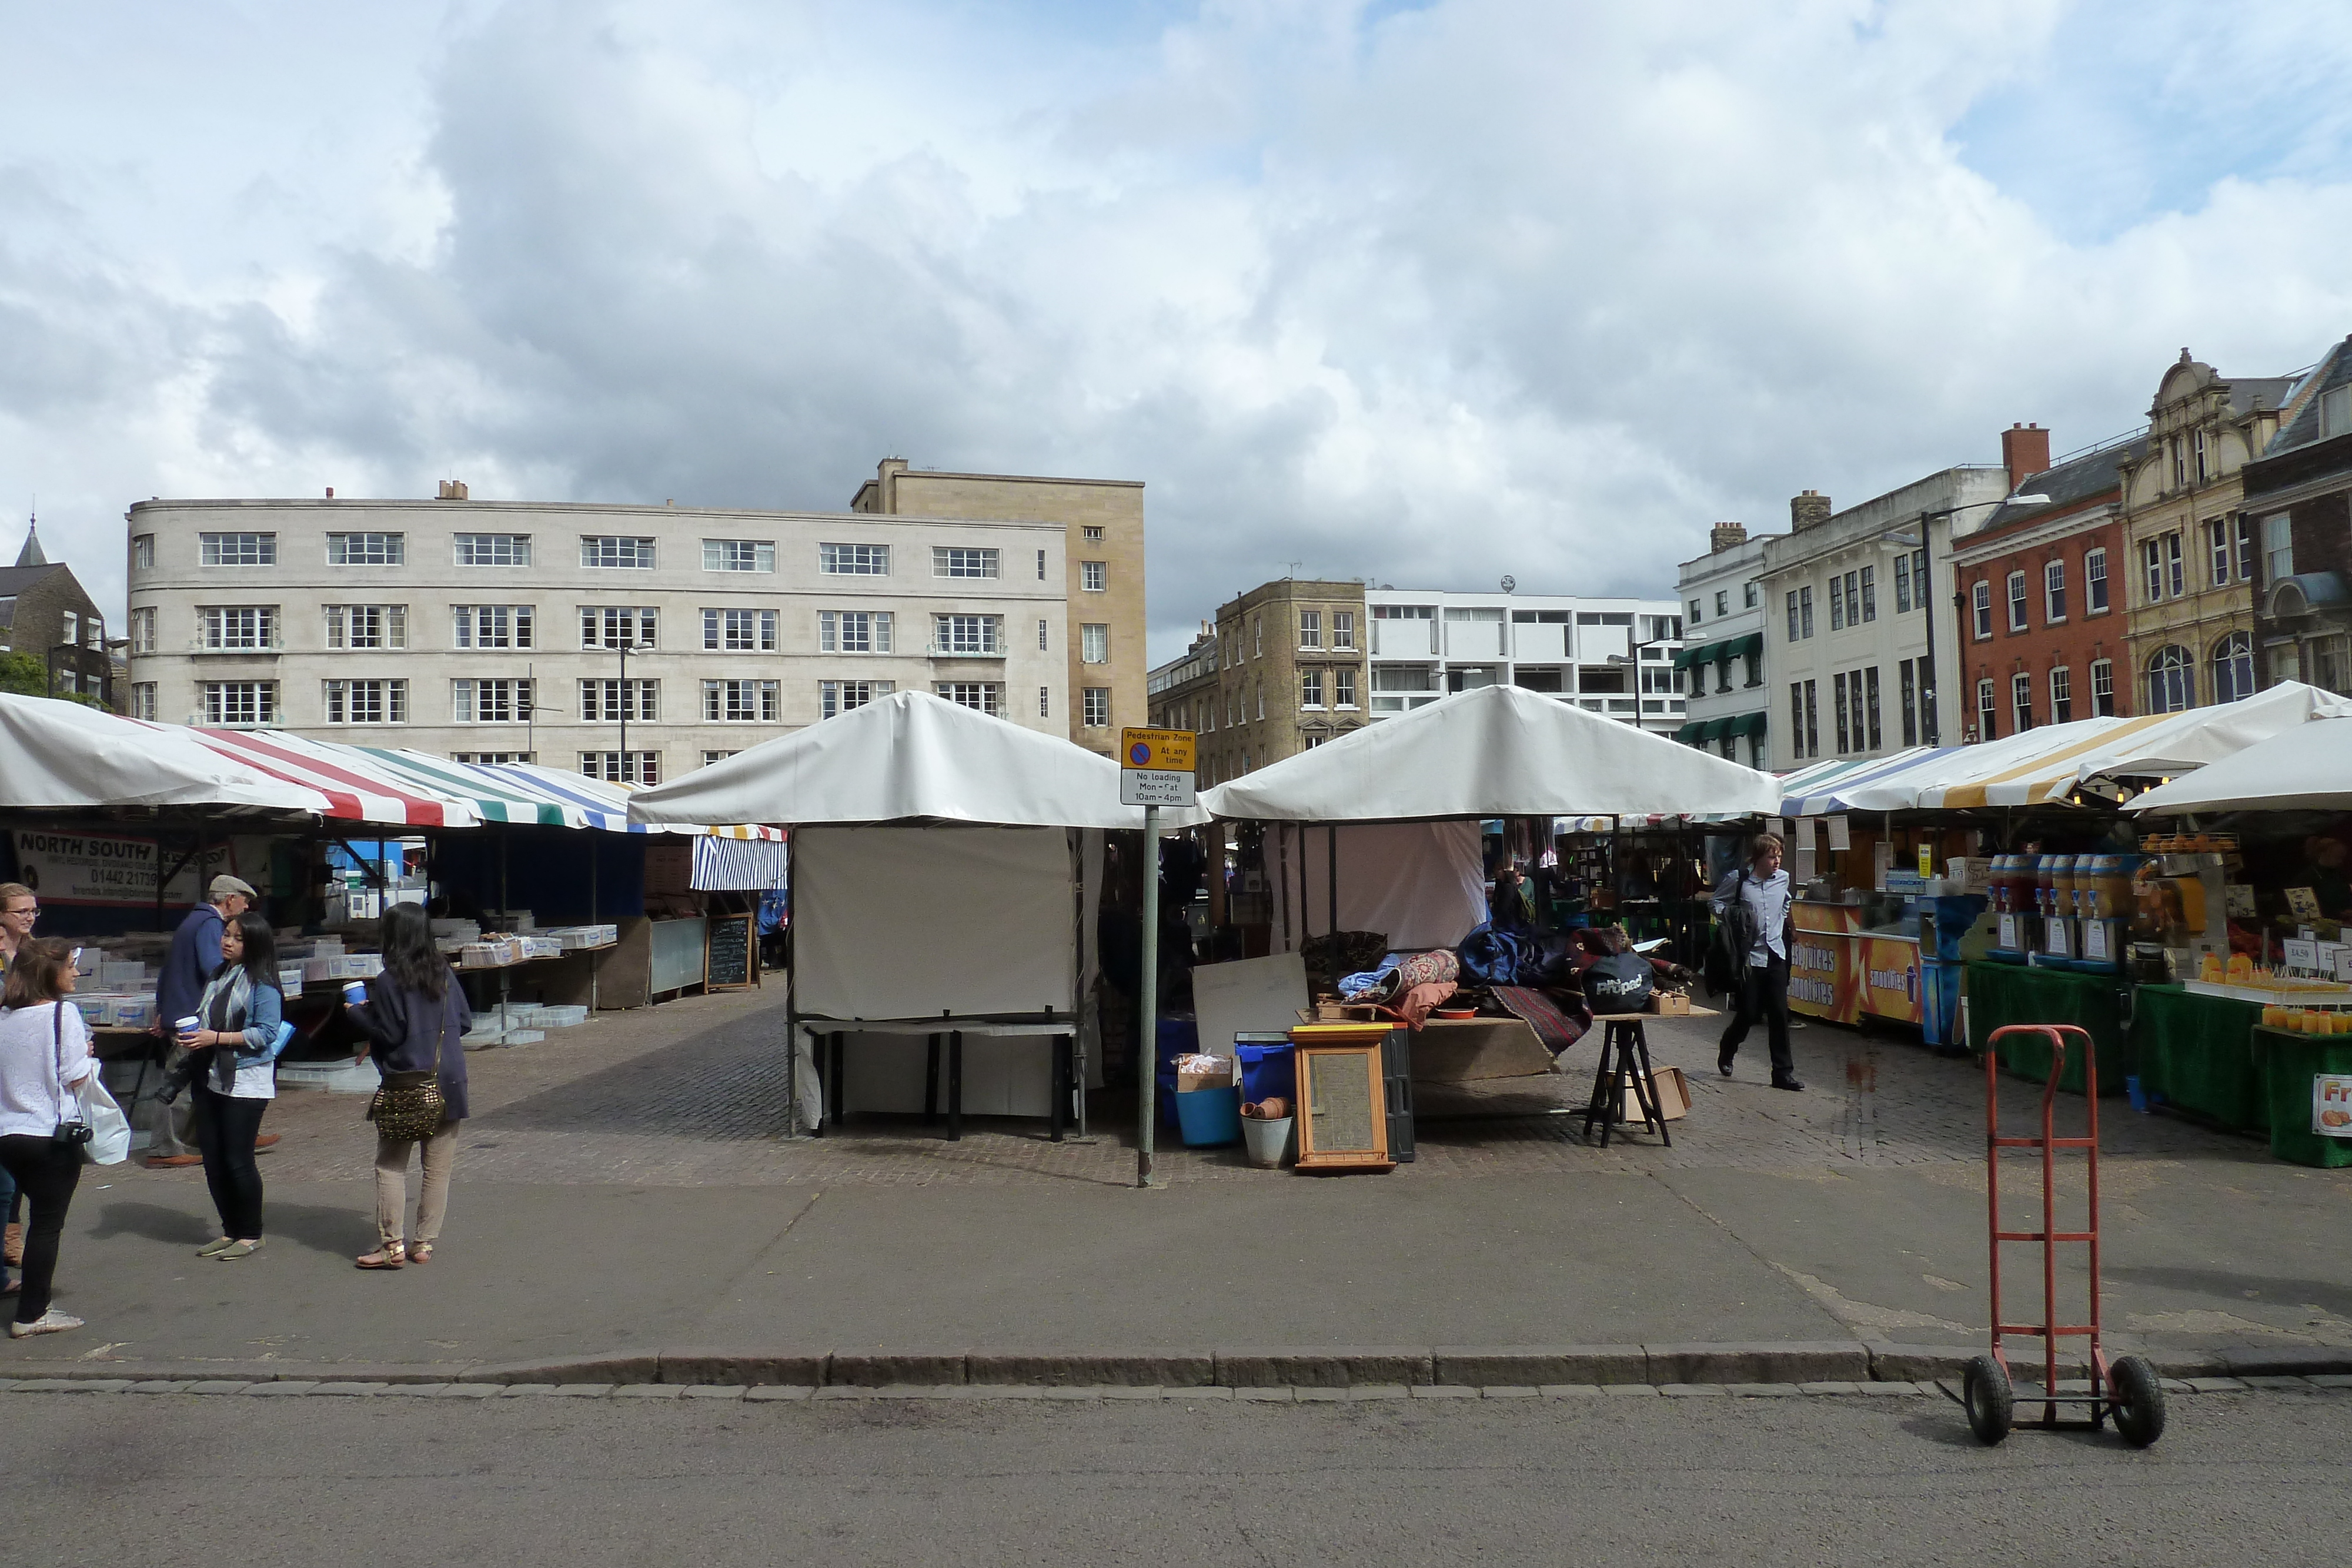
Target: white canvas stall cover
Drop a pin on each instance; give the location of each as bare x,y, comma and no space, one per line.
910,756
868,904
2308,767
60,755
1495,752
1422,884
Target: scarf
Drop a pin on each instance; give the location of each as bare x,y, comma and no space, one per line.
226,997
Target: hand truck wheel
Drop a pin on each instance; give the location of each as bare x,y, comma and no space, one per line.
2138,1401
1985,1394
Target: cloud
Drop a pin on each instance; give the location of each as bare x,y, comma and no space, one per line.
1427,294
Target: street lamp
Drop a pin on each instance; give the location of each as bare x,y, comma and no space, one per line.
1933,731
627,642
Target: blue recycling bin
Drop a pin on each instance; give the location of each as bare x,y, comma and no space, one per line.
1267,1069
1209,1117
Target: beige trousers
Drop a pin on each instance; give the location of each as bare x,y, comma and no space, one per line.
439,1152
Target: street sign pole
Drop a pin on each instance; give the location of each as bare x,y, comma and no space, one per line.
1146,1055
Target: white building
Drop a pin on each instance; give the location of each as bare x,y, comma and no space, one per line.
1612,656
631,643
1728,709
1852,606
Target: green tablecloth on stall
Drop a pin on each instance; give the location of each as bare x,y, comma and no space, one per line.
2002,994
2198,1053
2289,1062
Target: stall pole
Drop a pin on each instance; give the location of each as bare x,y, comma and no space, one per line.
595,853
1331,865
792,991
1147,1056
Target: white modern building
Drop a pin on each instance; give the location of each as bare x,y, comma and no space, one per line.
1727,710
631,643
1612,657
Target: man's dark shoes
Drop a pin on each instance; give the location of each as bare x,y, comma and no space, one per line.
1723,1062
1786,1081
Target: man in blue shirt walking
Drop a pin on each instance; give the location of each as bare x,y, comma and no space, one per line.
195,953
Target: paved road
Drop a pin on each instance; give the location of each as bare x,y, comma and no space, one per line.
184,1479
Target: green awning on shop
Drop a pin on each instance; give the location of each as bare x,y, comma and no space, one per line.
1749,646
1693,656
1715,729
1689,734
1747,724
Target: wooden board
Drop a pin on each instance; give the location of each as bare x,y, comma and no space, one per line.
1342,1109
1457,1051
730,960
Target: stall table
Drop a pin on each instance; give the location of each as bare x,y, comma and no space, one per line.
2289,1063
2003,994
2197,1053
830,1036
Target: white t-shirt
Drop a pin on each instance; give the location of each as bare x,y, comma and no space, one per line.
44,1053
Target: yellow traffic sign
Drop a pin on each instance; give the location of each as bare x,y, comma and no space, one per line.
1156,750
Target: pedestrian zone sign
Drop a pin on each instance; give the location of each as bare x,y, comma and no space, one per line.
1155,766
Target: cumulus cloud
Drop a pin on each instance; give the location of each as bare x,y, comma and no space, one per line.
1427,294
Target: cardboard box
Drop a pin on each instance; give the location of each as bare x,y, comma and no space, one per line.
1671,1004
1971,873
1672,1092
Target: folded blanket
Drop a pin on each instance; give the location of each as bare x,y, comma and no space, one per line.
1554,1025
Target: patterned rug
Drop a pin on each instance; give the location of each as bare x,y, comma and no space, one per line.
1557,1028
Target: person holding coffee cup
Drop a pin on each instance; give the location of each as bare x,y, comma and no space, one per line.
238,1030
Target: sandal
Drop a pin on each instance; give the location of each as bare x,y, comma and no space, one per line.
390,1255
420,1252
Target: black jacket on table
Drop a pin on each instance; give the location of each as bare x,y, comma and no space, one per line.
412,1032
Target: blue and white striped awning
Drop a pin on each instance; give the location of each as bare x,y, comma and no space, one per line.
738,865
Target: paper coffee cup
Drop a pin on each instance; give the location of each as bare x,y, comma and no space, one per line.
188,1025
355,992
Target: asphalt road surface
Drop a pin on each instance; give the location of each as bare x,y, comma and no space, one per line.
184,1479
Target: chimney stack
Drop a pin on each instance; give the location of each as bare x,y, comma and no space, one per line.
2024,452
451,490
1807,509
1725,536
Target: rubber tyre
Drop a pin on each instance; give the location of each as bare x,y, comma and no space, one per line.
2139,1401
1985,1394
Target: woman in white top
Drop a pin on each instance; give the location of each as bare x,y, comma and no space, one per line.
238,1019
44,1053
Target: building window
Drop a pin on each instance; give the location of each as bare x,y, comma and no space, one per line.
2151,561
2217,549
230,626
844,630
1907,679
142,700
2286,663
2021,702
367,701
1805,608
2331,662
1095,707
367,626
1980,609
740,631
1260,695
1310,629
493,625
1044,702
1811,727
853,561
1343,628
1343,688
1846,732
1792,615
1837,604
2171,680
618,702
962,561
1041,566
491,701
988,697
2176,577
2094,581
1987,710
1797,719
1695,616
1869,679
1041,633
493,549
2017,601
142,552
493,759
2061,696
623,553
1902,585
710,756
237,549
738,702
2054,591
1869,593
240,702
838,697
2278,546
1310,688
616,626
738,554
2102,688
1094,644
142,631
621,767
1722,604
366,549
2233,667
967,636
2197,441
1093,576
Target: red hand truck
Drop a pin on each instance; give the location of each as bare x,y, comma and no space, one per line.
2129,1391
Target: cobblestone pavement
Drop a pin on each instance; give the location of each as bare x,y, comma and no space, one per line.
692,1094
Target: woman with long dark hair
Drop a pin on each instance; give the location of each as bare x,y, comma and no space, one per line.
44,1054
414,1015
238,1018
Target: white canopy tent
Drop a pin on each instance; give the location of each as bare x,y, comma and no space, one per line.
2308,767
61,756
946,866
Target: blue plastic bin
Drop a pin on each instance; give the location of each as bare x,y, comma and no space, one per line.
1209,1117
1267,1069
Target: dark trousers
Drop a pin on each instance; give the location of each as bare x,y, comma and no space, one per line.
46,1173
226,1128
1764,996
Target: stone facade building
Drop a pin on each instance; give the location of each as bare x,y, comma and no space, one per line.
45,612
1289,665
2299,495
2189,546
1727,707
1101,567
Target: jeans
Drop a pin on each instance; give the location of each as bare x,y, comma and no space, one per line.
226,1128
9,1199
1764,996
437,1154
47,1173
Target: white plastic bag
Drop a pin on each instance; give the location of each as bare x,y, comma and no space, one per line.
109,1129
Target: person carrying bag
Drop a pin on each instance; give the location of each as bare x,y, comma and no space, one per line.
1755,913
45,1058
414,1017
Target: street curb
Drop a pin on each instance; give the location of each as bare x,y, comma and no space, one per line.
1344,1367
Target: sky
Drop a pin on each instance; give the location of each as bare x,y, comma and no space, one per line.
1423,293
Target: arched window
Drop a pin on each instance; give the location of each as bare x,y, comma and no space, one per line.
2171,680
2233,667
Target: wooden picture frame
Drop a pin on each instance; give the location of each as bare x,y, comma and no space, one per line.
1342,1105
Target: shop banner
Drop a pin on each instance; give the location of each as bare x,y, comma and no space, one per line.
100,868
1889,984
2331,1105
1837,972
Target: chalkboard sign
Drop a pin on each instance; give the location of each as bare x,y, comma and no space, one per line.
730,961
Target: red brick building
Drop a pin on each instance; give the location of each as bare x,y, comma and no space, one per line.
2041,593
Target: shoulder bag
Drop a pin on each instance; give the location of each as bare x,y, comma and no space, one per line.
408,1109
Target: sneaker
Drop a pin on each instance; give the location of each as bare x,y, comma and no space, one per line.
236,1250
50,1321
216,1246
